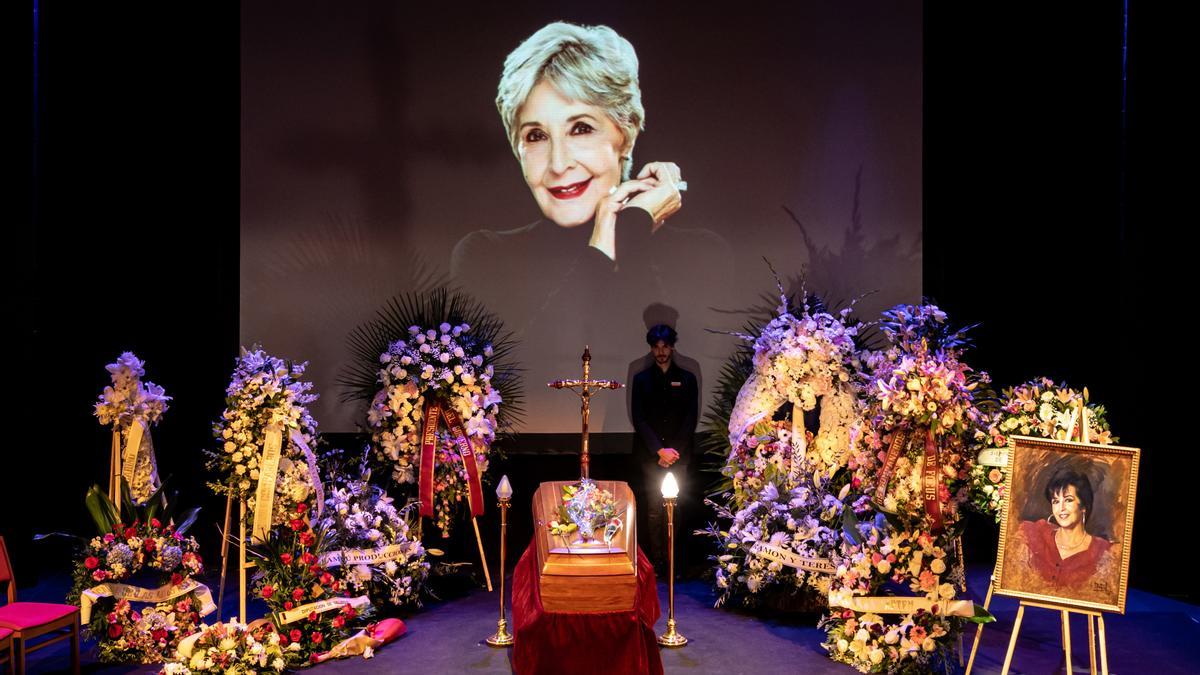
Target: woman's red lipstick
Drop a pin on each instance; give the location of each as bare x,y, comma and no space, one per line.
570,191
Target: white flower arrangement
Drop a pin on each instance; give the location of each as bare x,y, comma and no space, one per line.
359,515
265,392
129,400
445,364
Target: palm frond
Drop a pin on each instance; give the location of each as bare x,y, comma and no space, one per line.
360,379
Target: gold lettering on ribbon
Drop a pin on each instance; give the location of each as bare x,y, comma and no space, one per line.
899,440
363,556
931,481
133,445
433,411
889,604
792,559
320,607
268,475
150,595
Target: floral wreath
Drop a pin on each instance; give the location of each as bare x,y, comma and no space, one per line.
434,396
127,402
113,567
779,507
904,530
1038,408
803,358
309,605
267,394
235,648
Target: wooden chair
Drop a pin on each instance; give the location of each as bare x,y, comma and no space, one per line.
31,620
6,656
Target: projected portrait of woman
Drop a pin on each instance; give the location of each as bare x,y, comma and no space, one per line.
570,104
572,108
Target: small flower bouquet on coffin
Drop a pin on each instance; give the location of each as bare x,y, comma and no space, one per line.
588,510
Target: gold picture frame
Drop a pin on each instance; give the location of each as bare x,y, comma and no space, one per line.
1052,488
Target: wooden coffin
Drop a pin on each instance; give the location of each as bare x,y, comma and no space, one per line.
586,579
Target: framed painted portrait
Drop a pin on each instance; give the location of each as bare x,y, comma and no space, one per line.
1066,525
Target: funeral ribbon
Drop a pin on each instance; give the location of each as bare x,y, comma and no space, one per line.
434,415
137,446
268,475
311,460
792,559
799,441
890,604
931,482
993,457
138,594
356,556
320,607
930,475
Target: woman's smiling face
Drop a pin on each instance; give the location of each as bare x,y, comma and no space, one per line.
570,154
1065,506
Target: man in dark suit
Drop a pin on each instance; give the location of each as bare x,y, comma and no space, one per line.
664,409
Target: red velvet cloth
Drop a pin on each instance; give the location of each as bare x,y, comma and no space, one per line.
583,642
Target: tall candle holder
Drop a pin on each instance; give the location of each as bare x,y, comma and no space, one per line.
504,491
670,491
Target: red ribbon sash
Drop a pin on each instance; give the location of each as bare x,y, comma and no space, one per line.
434,414
899,441
930,475
931,482
467,452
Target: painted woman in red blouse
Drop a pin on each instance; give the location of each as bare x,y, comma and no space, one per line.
1064,558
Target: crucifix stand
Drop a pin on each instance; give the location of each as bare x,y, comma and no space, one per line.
585,388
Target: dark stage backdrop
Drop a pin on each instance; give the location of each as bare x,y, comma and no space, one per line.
372,150
1043,220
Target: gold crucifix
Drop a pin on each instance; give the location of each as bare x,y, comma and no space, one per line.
586,388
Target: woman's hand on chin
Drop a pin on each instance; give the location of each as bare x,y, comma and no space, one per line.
655,190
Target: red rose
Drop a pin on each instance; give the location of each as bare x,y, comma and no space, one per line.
298,594
100,575
176,579
339,621
130,533
301,507
283,639
350,612
149,545
115,630
286,558
295,635
154,522
326,579
288,605
312,616
314,570
92,562
296,524
317,637
307,558
268,591
306,538
159,635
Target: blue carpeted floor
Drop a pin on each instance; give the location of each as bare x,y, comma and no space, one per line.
1156,634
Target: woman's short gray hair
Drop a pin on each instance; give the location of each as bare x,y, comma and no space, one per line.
591,64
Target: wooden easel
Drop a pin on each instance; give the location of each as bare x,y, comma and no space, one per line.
1093,616
243,564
